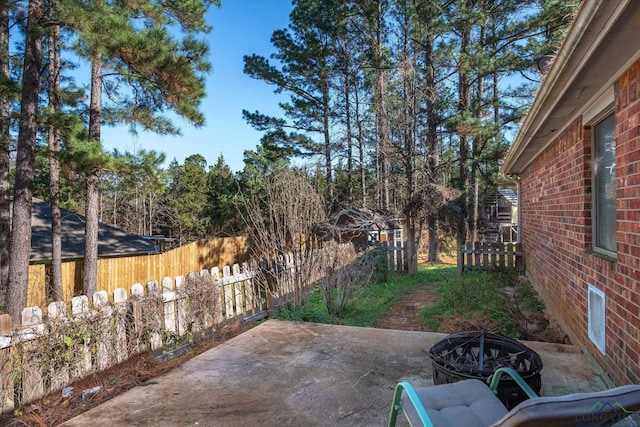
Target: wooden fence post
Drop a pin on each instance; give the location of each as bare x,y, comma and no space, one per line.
519,257
6,366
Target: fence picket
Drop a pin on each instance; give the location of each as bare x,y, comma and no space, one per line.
476,256
485,255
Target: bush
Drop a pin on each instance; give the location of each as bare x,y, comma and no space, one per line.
376,257
310,311
341,285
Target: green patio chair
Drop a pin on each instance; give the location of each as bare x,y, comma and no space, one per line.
471,403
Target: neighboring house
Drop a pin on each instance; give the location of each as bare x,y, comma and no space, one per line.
113,244
577,159
123,258
112,241
364,226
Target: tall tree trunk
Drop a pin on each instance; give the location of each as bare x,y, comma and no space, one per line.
138,219
25,161
150,215
477,146
408,135
90,271
360,139
433,152
464,94
5,158
382,118
347,105
327,150
54,292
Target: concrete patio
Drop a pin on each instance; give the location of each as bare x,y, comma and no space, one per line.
305,374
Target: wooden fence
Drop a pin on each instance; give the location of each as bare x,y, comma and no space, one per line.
488,256
112,272
67,342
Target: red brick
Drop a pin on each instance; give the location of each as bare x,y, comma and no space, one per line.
556,231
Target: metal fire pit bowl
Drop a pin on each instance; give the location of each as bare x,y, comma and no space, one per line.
477,354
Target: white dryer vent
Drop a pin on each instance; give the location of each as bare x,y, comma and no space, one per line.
597,317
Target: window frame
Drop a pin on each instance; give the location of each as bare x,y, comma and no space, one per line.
597,232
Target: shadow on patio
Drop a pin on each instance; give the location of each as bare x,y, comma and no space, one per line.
294,374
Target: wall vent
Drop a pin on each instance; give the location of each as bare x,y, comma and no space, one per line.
597,319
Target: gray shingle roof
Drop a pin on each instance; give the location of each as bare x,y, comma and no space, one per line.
112,241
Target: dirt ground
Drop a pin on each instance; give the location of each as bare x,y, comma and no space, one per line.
405,314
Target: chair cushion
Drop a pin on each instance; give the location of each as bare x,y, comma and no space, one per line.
467,403
584,409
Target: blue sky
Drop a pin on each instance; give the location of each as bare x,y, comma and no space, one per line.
240,27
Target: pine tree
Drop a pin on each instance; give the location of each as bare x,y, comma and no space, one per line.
222,195
431,74
186,201
25,159
55,106
131,190
92,173
149,70
5,157
428,29
265,160
306,55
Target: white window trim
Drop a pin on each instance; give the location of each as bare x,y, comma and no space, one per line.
600,108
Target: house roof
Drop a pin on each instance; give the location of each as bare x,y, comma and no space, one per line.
112,241
600,45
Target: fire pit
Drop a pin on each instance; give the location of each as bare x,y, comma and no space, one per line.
477,354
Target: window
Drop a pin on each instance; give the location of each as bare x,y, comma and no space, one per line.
398,237
604,185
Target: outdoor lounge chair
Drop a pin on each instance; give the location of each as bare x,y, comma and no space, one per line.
471,403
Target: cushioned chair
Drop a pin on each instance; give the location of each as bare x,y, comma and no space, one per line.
471,403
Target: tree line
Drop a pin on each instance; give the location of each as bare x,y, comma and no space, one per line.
399,102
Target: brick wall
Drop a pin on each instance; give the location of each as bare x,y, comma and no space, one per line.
557,234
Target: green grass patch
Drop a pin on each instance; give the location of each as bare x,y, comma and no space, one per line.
472,295
374,299
483,295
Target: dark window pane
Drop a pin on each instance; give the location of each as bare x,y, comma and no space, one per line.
605,184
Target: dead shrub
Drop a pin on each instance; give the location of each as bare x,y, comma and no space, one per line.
342,283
